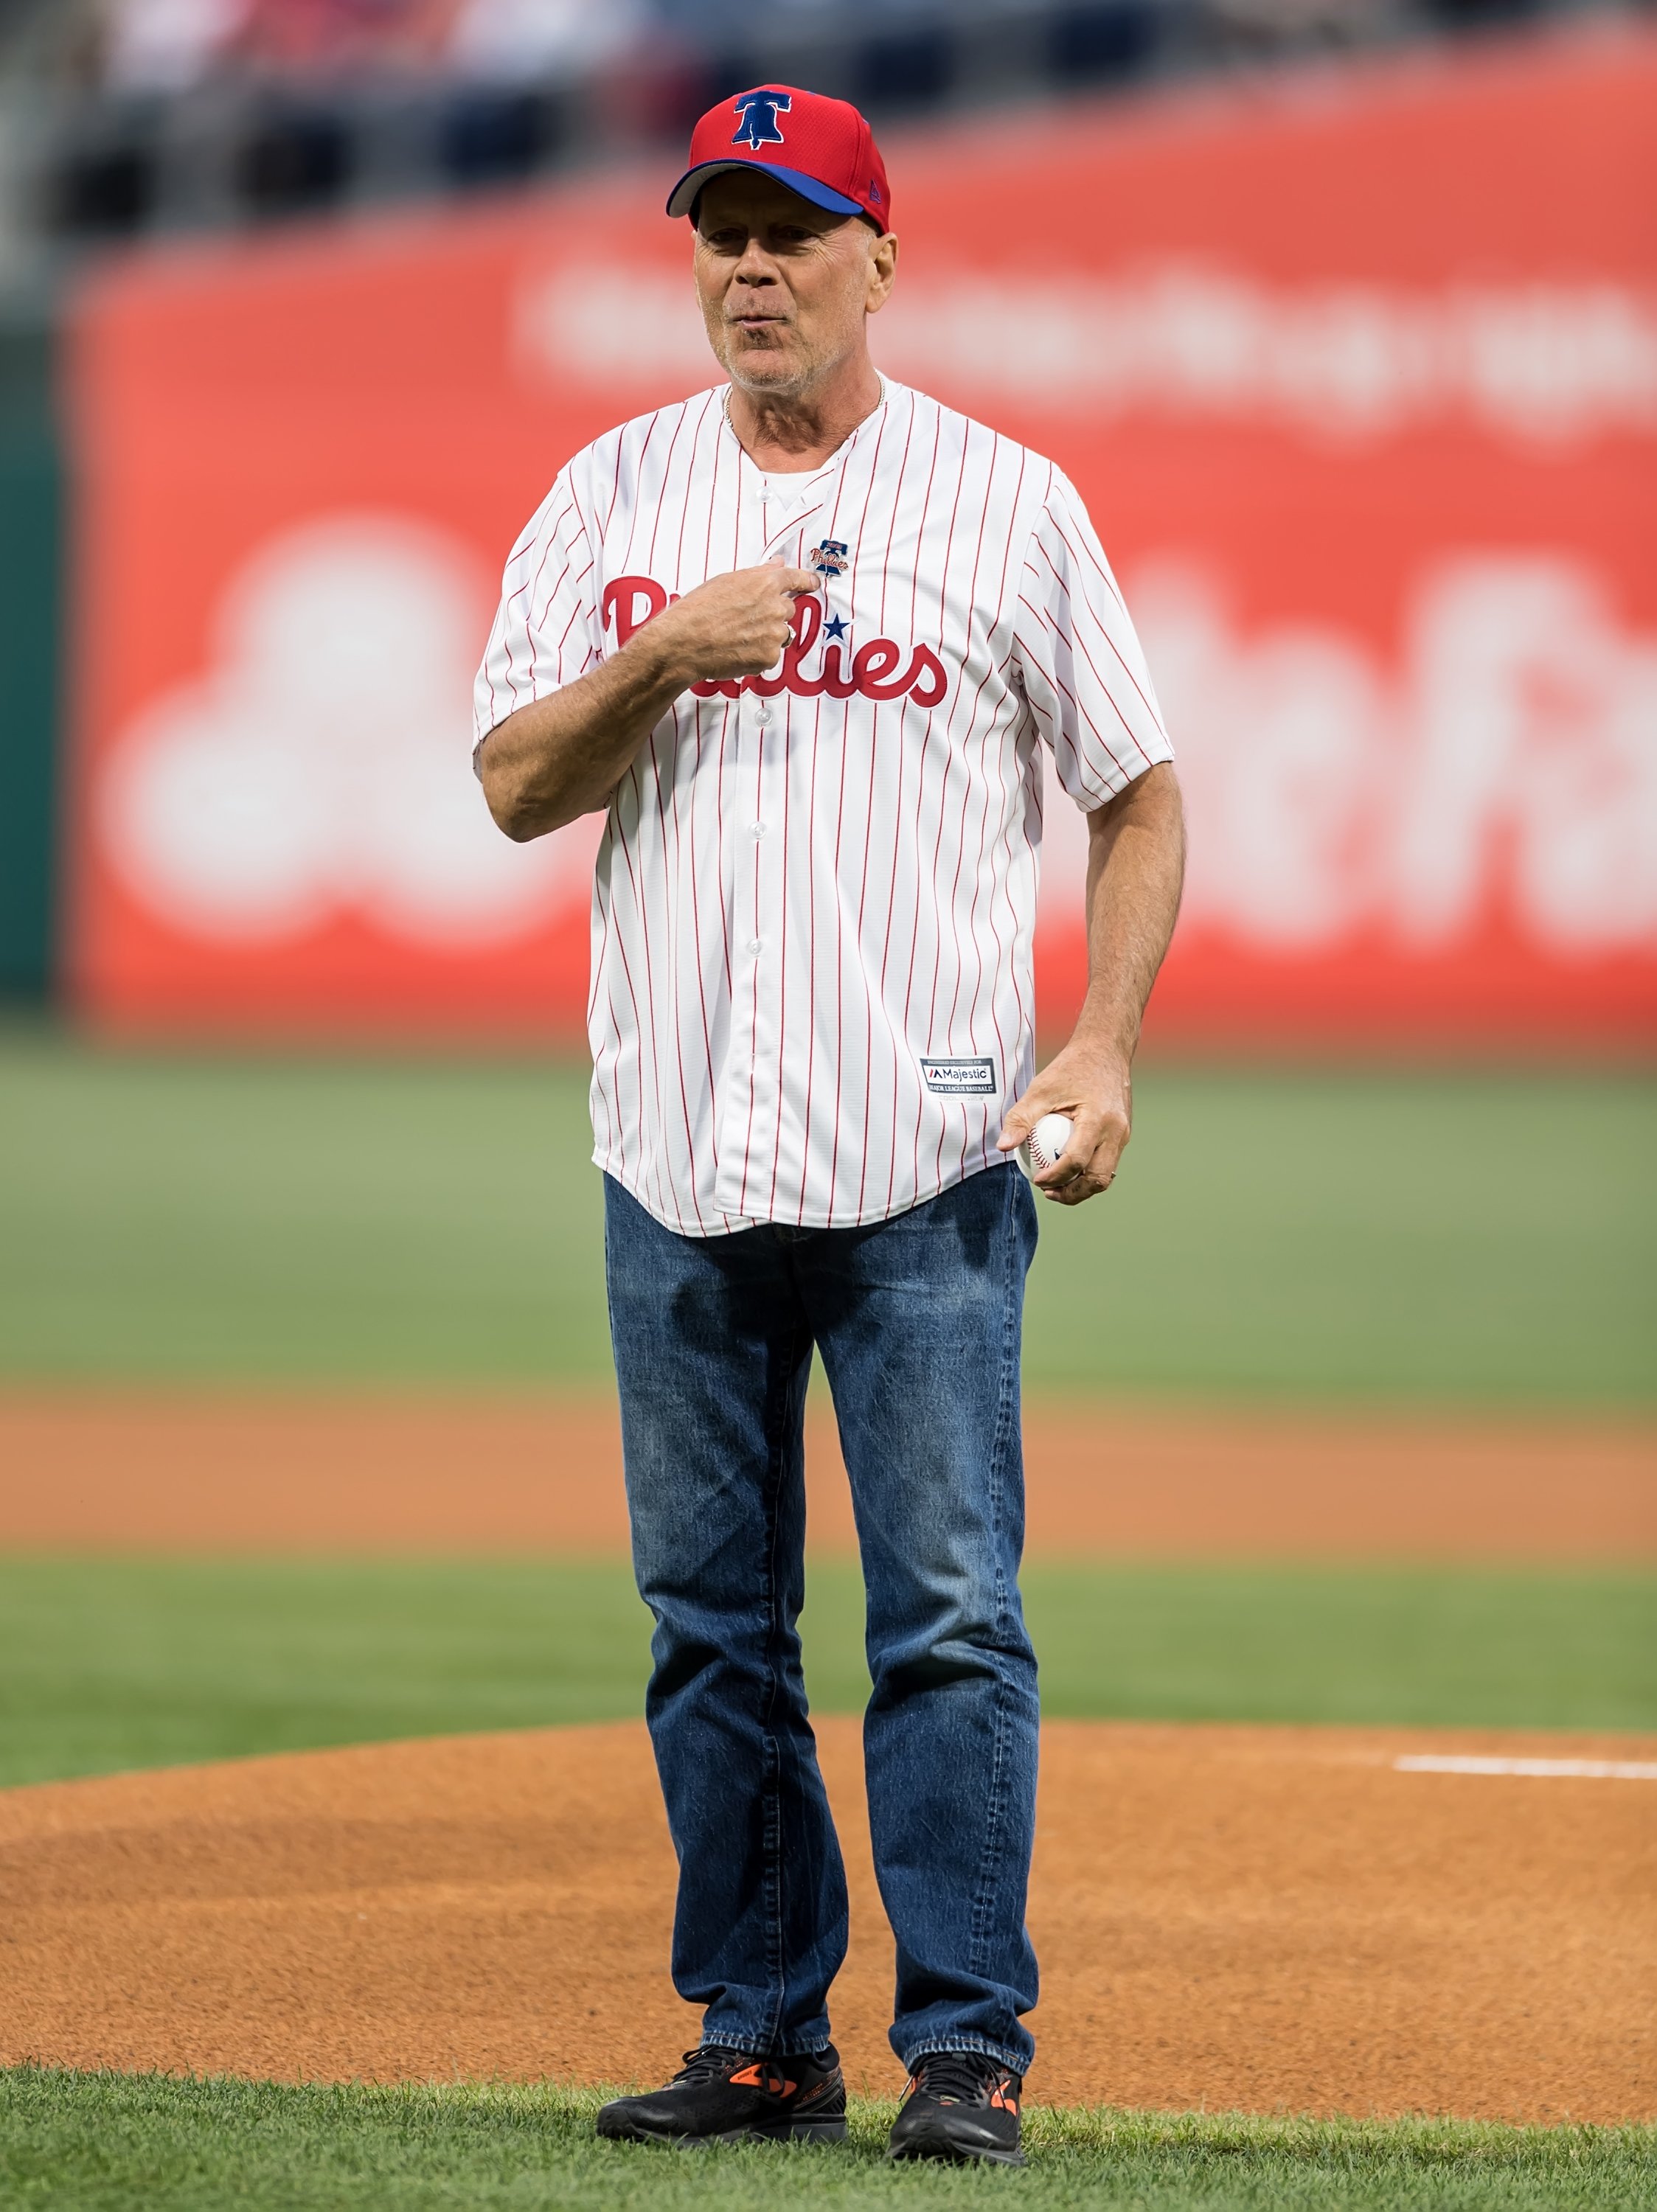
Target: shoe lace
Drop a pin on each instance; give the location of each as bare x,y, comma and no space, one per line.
956,2076
711,2062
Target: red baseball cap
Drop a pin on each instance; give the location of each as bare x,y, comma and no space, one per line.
822,148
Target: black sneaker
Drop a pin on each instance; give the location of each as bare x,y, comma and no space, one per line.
720,2095
959,2105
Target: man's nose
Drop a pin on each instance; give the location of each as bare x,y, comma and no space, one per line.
755,266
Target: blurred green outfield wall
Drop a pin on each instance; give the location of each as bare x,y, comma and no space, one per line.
31,571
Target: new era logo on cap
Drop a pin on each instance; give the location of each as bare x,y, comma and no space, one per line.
822,148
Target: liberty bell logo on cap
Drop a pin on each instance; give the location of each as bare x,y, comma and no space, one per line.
756,118
825,151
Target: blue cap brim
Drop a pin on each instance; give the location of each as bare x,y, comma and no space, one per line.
682,199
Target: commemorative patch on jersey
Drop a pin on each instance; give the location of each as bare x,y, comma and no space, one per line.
830,558
960,1079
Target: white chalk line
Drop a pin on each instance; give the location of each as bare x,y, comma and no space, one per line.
1573,1770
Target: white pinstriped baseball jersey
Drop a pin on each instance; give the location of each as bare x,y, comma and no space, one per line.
811,997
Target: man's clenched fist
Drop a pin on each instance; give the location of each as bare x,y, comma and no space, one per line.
734,625
564,754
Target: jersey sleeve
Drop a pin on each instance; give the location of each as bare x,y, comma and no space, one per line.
547,629
1084,674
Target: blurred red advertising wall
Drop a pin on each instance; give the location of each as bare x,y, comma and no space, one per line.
1358,374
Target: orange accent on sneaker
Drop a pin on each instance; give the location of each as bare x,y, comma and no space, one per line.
1004,2097
761,2076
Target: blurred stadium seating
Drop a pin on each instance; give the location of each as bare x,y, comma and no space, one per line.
125,117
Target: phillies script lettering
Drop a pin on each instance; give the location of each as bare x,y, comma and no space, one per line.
631,601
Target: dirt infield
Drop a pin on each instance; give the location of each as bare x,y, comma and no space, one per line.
490,1474
1256,1919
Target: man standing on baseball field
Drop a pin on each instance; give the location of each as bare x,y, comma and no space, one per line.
804,640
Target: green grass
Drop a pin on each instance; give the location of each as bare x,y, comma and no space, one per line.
103,2142
183,1219
107,1664
1482,1239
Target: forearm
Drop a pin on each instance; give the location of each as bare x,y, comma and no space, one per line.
1136,866
563,755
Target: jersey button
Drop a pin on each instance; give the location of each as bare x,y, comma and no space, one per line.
756,945
755,829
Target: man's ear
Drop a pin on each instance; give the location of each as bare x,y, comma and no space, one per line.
882,268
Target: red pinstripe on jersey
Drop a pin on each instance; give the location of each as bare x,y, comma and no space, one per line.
794,917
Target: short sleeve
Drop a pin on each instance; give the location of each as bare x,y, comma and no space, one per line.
1085,677
546,628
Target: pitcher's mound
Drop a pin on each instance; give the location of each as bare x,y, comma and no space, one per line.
1237,1918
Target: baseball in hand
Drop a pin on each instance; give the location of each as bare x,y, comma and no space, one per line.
1045,1142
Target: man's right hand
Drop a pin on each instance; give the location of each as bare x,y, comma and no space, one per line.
734,625
562,755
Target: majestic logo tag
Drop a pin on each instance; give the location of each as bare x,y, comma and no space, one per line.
877,670
956,1079
830,558
757,113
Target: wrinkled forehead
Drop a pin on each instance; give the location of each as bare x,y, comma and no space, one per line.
746,197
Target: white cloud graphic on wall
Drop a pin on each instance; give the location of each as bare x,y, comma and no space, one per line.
321,765
1503,754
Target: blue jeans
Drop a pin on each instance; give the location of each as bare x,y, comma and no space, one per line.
918,1322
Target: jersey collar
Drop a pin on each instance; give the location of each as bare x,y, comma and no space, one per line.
836,461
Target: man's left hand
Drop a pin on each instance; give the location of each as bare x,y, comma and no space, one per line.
1092,1086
